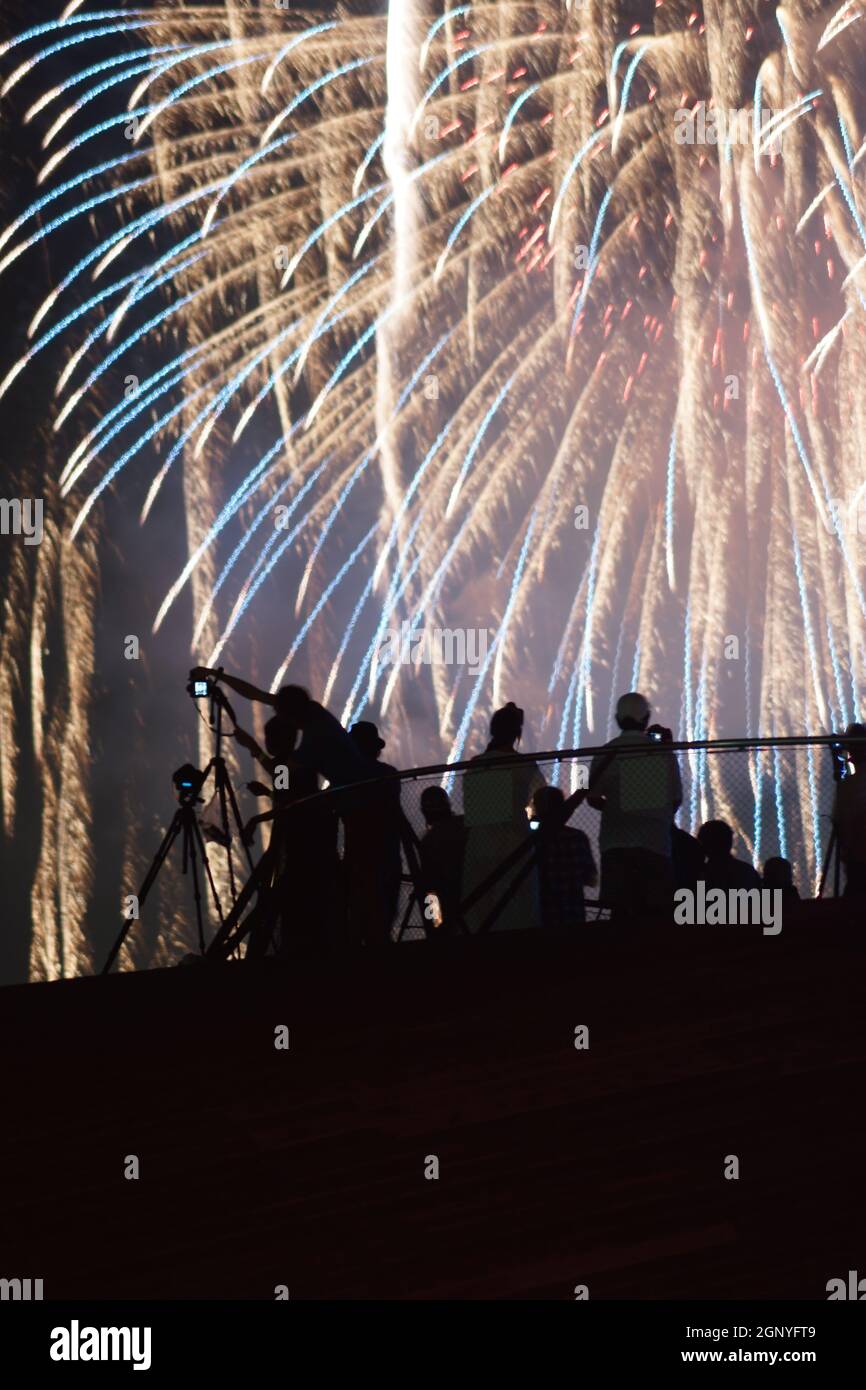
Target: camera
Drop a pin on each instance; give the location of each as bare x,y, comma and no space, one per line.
839,754
659,734
201,689
188,781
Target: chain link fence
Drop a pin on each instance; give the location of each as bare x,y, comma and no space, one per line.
552,840
776,795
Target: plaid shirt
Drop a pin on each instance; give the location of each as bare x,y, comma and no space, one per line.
565,866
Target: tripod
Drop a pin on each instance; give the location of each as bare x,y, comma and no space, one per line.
185,823
223,784
189,782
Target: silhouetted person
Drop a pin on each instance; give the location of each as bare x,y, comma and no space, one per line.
849,815
638,796
495,801
565,864
372,847
687,858
722,870
305,871
325,746
779,873
441,855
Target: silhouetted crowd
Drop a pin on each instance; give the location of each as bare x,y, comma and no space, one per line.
510,860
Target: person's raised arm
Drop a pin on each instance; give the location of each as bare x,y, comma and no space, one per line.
245,688
247,741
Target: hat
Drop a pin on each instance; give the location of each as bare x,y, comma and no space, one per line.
632,706
366,735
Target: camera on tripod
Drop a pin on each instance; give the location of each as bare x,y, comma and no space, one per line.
188,782
193,830
202,689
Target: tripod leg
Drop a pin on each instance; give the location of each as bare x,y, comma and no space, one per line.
221,778
413,899
189,856
233,929
159,858
827,858
198,839
237,817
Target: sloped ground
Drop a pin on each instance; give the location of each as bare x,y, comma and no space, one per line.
557,1166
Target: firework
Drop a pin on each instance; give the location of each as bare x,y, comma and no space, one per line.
450,309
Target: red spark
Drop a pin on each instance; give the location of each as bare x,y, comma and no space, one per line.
477,133
539,231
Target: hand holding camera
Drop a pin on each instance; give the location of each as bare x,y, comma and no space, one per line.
659,734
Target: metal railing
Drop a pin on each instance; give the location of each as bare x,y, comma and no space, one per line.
777,794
